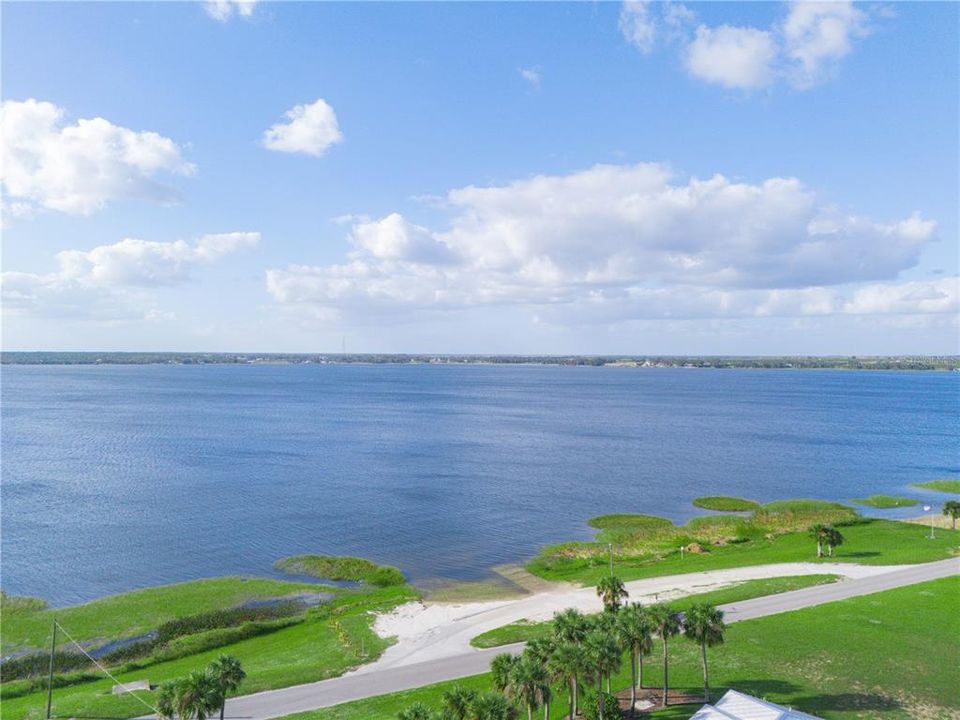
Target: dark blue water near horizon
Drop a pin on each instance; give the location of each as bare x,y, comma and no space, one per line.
119,477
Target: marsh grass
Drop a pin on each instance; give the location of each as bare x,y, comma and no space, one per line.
725,503
945,485
341,567
886,502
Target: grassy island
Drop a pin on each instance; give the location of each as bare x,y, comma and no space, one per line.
333,567
886,502
725,503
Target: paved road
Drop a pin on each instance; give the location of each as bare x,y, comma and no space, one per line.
356,686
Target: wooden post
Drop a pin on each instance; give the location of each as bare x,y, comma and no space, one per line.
53,647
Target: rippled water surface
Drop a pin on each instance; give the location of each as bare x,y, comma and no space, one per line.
116,477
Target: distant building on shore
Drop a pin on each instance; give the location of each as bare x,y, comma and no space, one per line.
739,706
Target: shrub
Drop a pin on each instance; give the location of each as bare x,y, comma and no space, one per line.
590,706
38,664
228,617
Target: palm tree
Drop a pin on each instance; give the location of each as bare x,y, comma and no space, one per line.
197,696
666,621
492,706
567,664
819,533
605,656
834,538
540,648
167,699
952,509
227,673
417,711
457,703
570,626
529,684
501,668
612,592
636,633
704,624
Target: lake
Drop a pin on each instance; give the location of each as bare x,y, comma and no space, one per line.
118,477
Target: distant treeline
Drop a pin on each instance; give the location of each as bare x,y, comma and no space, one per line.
905,362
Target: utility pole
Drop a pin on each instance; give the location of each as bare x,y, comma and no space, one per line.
53,647
610,549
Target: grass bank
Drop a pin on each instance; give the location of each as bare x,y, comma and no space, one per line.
892,655
342,567
946,485
524,631
324,642
646,546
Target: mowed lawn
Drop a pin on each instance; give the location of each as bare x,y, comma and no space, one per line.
872,542
894,655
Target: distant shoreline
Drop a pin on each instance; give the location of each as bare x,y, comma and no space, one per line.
943,363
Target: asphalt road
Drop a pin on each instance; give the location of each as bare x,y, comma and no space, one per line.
356,686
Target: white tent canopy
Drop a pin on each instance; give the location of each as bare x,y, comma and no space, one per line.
738,706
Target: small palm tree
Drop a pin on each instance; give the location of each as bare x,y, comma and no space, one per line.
417,711
227,673
457,703
501,669
612,592
704,624
951,508
529,684
492,706
834,538
567,664
605,656
570,626
167,699
197,696
541,649
636,634
819,533
666,621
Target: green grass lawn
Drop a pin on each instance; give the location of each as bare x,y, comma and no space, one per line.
524,631
893,655
946,485
885,502
725,503
134,613
326,644
871,542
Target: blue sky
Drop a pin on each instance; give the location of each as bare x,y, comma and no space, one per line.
557,178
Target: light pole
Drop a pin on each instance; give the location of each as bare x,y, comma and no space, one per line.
926,509
610,550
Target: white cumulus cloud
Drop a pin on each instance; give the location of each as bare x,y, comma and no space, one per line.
817,35
223,10
532,76
110,280
638,25
613,237
79,168
734,57
310,129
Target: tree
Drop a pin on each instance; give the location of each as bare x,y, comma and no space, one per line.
704,624
834,538
570,626
197,696
612,592
492,706
666,621
417,711
819,533
541,649
529,684
227,673
605,656
501,668
457,703
167,699
567,664
636,634
951,508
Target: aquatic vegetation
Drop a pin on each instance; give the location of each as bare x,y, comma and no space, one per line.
342,567
725,503
946,485
885,502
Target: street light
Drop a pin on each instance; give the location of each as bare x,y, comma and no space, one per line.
926,509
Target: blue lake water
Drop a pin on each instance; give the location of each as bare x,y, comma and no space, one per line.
117,477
